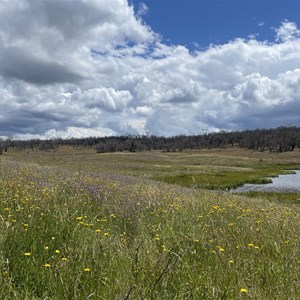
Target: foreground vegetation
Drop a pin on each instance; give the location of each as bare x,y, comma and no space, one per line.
73,232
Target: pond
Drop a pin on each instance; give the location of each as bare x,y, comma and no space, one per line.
282,183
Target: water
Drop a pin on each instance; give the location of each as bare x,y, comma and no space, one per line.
282,183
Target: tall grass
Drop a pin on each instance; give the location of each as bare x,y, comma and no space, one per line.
68,235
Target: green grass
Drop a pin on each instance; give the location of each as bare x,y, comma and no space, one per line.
213,169
284,197
94,235
228,179
224,180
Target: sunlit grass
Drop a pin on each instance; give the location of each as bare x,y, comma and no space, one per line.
68,234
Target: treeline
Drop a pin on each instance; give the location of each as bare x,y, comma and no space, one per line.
280,139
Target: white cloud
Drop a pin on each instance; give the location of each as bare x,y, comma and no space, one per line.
49,41
70,132
92,67
107,99
143,9
287,31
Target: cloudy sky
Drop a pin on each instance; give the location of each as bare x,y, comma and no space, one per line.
77,68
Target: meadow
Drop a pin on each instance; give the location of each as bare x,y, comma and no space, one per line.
79,225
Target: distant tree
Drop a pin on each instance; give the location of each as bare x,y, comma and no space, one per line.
274,140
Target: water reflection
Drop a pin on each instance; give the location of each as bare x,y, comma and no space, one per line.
282,183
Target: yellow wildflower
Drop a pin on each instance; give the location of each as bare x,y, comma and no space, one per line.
164,248
220,249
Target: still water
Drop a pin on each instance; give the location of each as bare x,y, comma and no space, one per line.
282,183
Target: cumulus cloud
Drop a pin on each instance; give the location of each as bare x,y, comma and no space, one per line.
39,39
106,99
287,31
70,132
93,67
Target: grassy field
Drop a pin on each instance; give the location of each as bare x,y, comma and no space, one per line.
79,225
213,169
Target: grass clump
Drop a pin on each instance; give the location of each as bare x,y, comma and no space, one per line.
223,180
68,235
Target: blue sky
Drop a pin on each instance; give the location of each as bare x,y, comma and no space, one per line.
208,22
97,67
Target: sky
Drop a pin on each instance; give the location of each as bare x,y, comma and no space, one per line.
80,68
